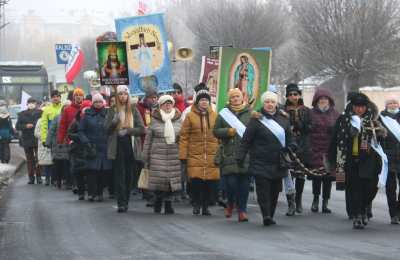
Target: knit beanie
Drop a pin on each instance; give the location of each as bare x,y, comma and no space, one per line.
122,88
78,92
165,98
97,98
292,88
202,92
234,91
268,95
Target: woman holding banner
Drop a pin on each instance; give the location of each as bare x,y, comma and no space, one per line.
267,135
229,128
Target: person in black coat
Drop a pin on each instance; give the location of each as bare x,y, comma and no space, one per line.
26,123
265,147
300,122
391,146
351,153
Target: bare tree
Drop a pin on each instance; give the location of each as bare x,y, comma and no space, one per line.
349,38
2,21
241,23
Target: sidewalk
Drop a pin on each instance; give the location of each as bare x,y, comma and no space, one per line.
8,170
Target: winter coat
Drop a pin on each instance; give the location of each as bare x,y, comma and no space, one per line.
369,162
391,145
28,116
230,145
264,147
300,122
322,129
198,145
44,153
67,117
51,140
6,130
161,158
91,131
49,113
112,131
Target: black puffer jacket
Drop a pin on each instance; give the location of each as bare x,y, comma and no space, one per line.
264,148
28,117
391,145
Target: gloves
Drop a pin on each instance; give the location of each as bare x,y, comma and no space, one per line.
231,132
122,132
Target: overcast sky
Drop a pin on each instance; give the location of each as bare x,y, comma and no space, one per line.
56,10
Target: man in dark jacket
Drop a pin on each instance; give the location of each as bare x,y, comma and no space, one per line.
300,122
354,152
391,146
26,122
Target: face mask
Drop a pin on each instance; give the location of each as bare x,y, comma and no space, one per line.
323,108
393,111
31,106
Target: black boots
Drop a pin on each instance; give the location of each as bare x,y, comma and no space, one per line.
39,179
196,210
291,205
31,180
315,204
357,223
205,211
299,207
157,206
168,208
325,208
268,221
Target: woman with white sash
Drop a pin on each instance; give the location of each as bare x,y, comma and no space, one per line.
229,128
267,135
390,119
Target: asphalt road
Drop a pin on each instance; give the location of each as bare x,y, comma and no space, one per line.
39,222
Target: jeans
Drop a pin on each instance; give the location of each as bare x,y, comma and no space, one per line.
237,188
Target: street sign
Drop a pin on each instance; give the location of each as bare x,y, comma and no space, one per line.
62,53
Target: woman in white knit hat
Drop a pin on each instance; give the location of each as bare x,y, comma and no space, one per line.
160,153
267,135
122,122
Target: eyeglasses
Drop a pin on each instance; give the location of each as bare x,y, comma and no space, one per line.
295,94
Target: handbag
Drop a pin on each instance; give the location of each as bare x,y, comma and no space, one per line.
143,182
61,152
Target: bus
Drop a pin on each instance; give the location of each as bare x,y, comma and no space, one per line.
19,80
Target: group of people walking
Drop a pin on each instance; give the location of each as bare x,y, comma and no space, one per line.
93,143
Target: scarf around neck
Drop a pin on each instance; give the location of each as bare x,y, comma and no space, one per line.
238,108
169,131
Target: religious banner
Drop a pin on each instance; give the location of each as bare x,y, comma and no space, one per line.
112,63
147,50
246,69
209,75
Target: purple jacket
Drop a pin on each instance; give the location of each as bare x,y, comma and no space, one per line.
322,128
